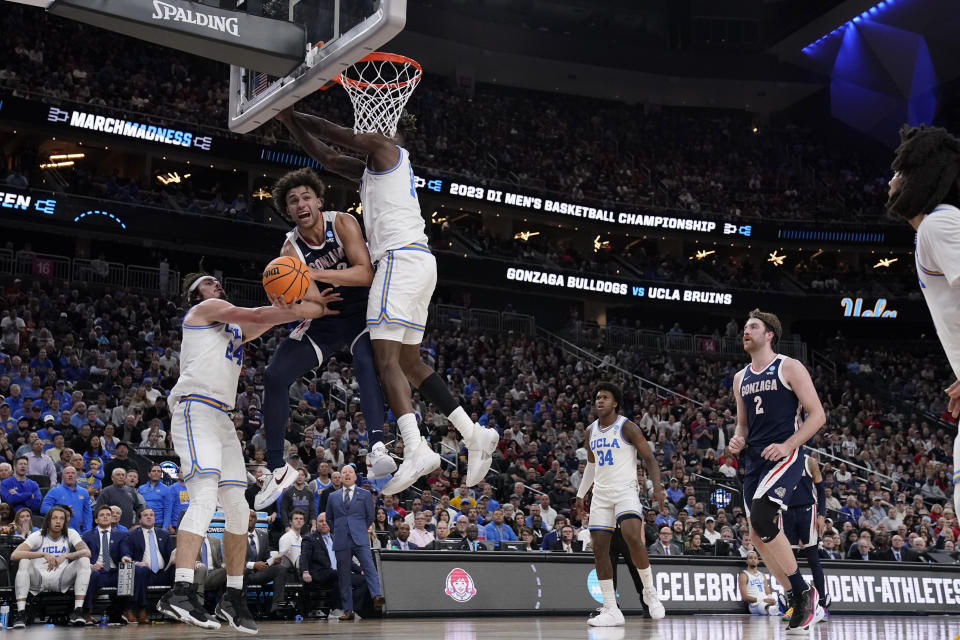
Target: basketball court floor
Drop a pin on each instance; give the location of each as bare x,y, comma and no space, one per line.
691,627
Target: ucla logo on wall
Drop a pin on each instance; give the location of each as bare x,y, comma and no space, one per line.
854,309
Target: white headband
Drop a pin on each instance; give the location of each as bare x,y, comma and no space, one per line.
196,283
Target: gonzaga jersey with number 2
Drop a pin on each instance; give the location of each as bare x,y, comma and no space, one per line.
773,411
616,457
391,211
210,358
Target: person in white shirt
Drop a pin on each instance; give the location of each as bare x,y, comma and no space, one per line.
419,534
290,541
548,513
710,530
924,192
48,564
584,534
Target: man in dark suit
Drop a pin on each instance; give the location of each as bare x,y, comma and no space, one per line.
828,551
103,570
470,542
150,548
863,549
264,567
318,566
898,553
210,575
350,513
566,543
663,546
402,543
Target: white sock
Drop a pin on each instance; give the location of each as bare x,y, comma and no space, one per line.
183,575
407,423
609,595
21,605
463,423
646,577
234,582
78,603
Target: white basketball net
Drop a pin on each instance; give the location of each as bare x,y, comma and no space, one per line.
379,87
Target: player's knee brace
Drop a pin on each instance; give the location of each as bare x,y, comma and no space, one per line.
203,502
236,511
765,518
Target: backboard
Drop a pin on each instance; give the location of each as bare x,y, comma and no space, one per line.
339,33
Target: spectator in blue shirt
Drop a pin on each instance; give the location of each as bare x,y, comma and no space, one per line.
67,493
177,502
60,393
41,364
156,494
7,421
15,399
498,530
79,416
46,434
26,408
313,397
22,379
851,511
20,491
674,492
664,518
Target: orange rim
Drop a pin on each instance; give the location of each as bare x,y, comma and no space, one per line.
381,56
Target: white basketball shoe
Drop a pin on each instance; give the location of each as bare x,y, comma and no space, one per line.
480,450
379,462
417,462
652,599
274,484
607,617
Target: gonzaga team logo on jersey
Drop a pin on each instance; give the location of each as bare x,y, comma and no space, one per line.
460,585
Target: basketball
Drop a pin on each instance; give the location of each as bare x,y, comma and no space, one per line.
286,277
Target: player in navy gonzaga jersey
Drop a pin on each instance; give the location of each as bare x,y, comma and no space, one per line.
771,392
331,244
613,443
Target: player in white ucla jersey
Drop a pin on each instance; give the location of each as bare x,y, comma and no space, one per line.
613,443
406,274
211,357
772,392
755,590
925,191
52,559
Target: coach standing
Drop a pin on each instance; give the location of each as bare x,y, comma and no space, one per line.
925,191
350,513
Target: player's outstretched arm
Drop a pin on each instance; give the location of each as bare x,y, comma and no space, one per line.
587,480
382,151
634,434
255,321
739,440
331,159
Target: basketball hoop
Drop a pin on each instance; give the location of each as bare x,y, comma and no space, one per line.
379,86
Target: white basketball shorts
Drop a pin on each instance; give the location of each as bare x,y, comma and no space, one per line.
400,294
206,441
608,506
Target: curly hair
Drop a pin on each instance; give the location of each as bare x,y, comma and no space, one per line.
305,177
928,160
614,390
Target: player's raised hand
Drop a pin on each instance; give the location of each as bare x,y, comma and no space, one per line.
777,451
736,444
659,495
953,406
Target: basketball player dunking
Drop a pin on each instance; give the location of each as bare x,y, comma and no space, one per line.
203,434
406,274
803,523
613,443
331,244
771,393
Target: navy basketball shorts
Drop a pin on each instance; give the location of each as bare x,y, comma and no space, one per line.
776,480
799,524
